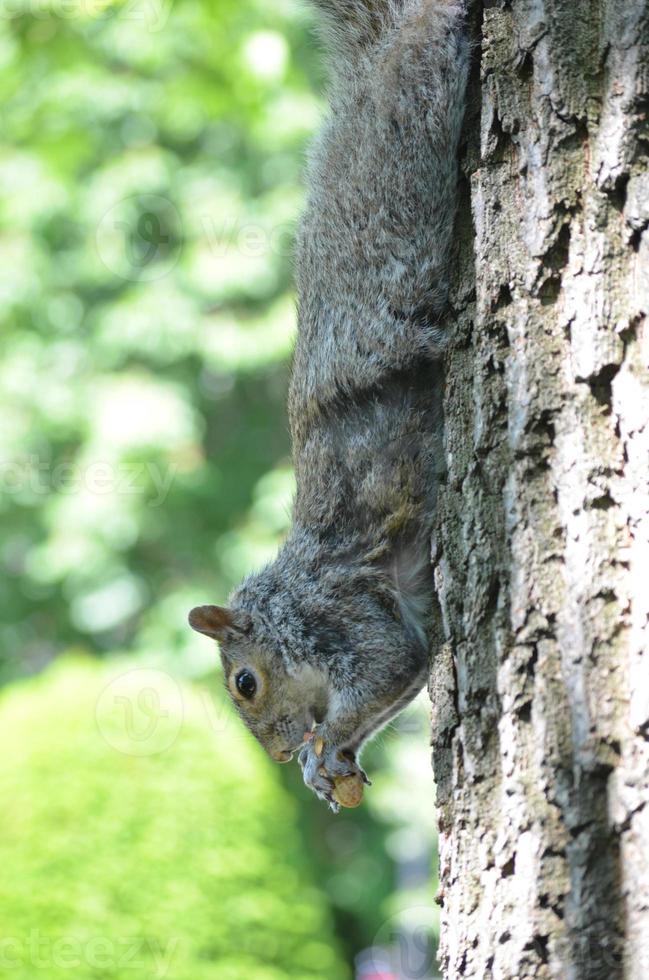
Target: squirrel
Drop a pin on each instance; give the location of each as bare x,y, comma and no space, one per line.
323,646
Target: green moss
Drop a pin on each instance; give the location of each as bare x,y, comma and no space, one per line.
170,855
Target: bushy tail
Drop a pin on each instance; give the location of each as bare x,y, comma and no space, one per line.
354,25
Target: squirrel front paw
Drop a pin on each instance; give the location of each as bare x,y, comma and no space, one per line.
326,769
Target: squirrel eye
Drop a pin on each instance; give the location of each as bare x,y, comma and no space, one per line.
246,684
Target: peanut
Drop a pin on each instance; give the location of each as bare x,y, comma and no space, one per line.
348,790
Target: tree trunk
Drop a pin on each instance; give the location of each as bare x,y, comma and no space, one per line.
541,554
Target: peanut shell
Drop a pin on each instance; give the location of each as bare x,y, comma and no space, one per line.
348,791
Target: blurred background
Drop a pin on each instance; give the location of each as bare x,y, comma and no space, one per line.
150,181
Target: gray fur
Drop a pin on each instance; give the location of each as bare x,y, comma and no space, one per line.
338,622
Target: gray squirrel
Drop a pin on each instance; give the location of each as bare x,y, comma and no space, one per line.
327,643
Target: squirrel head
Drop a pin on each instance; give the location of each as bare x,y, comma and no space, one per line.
279,707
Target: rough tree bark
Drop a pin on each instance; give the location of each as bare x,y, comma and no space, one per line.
541,554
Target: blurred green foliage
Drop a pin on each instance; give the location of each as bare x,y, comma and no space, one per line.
174,855
150,163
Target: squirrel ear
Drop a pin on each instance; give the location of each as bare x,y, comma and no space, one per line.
215,621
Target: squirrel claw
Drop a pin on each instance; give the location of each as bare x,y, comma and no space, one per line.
321,764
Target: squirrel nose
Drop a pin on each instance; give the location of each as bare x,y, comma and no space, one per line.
280,755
